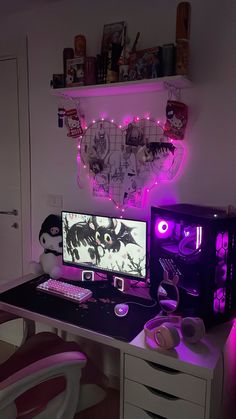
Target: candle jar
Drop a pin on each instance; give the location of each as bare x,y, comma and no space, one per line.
80,46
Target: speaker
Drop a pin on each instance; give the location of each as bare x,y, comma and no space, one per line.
87,276
121,284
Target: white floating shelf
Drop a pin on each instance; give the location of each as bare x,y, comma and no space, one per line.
129,87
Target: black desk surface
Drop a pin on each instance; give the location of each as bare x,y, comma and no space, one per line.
96,314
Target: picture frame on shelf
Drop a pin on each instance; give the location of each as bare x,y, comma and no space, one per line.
113,33
146,64
75,72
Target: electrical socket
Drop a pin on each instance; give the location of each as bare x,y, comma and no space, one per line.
55,201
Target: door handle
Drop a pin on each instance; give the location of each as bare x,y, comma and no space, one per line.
13,212
15,225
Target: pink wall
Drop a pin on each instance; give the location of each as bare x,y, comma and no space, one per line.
208,176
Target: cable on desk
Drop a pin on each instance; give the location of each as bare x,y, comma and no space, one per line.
142,305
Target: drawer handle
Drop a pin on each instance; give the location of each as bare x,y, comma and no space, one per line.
161,394
153,416
162,368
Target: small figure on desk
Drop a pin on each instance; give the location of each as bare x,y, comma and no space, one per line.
50,237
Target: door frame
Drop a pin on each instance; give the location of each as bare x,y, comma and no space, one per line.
18,49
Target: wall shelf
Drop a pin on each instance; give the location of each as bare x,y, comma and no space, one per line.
130,87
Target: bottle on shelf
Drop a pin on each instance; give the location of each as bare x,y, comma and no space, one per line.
68,54
182,38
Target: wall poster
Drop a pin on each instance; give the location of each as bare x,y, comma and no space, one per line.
123,163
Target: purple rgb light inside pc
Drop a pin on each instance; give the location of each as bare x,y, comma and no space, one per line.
198,244
105,244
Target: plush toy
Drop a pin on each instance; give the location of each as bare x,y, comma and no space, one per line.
50,237
176,120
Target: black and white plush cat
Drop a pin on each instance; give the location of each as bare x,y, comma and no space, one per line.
50,237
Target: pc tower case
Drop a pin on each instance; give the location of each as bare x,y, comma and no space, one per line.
198,244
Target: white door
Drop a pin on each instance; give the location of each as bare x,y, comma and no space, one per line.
10,180
15,243
14,162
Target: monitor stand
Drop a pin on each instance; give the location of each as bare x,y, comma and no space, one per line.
110,278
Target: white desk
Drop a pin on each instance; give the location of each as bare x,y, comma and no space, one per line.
174,384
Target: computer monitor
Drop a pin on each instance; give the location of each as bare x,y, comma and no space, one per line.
105,244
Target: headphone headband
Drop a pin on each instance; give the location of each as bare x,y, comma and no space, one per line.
151,325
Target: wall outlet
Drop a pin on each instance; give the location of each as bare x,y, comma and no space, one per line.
55,201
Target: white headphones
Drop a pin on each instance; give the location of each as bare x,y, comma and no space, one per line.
162,331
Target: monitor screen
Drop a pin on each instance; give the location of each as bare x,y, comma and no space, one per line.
107,244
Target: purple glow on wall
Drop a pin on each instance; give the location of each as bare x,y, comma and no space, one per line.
127,119
163,228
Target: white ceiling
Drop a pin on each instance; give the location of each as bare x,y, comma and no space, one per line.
8,7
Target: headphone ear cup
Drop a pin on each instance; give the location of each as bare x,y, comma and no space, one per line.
192,329
167,336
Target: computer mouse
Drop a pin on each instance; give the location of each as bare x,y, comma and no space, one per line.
121,310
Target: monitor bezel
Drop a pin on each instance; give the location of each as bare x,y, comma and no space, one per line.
101,270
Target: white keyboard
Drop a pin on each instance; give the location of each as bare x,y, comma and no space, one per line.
65,290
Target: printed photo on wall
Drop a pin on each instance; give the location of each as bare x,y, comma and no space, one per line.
134,135
133,194
101,185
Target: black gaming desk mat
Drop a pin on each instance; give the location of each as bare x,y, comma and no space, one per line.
96,314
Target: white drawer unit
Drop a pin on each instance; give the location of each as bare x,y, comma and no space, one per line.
160,403
167,380
190,382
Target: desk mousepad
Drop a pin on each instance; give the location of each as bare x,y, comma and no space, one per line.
96,314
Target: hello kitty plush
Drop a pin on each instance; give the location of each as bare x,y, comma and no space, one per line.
73,124
50,237
176,120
